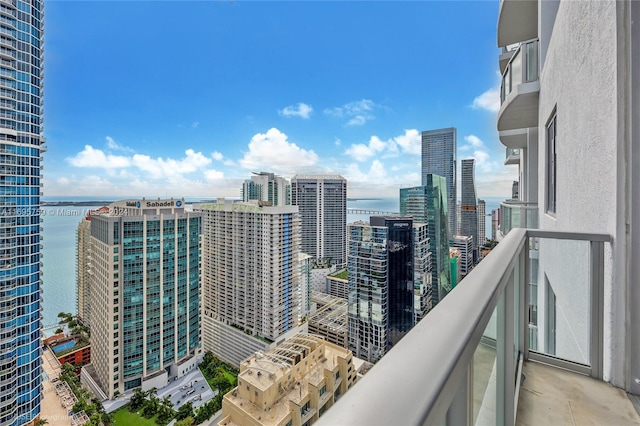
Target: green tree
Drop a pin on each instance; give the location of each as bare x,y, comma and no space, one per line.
185,411
185,422
137,399
165,410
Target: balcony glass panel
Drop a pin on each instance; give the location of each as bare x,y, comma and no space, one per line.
563,299
522,68
517,214
484,321
484,376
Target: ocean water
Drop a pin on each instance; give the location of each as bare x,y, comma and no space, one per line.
59,252
59,259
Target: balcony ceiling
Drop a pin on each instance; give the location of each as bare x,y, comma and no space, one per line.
517,21
520,108
514,138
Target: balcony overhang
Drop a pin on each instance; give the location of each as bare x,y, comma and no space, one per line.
517,21
520,108
515,139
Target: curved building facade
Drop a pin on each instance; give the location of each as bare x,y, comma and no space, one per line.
21,147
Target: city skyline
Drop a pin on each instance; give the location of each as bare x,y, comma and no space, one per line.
326,103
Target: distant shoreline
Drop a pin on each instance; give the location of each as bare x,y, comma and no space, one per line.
75,203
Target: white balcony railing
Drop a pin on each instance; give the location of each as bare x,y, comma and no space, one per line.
477,338
517,214
522,68
512,156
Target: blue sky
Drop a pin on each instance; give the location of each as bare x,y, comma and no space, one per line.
186,99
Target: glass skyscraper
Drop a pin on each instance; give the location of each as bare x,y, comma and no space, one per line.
439,158
145,294
21,147
428,204
469,204
383,275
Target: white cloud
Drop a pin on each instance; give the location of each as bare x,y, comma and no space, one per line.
358,112
112,145
489,100
212,175
300,110
195,124
217,156
358,120
361,152
472,142
96,158
410,143
160,167
272,150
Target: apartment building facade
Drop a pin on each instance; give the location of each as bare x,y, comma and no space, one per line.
267,187
145,293
21,149
252,277
322,204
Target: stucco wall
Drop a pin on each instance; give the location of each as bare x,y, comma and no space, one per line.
579,78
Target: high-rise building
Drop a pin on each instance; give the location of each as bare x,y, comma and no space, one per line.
322,203
252,284
83,262
464,244
469,204
428,204
495,220
267,187
145,294
482,222
21,149
384,278
439,158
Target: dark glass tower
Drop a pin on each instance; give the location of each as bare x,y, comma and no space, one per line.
469,205
388,280
21,147
428,204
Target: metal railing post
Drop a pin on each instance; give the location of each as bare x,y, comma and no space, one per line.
523,322
505,379
596,345
460,411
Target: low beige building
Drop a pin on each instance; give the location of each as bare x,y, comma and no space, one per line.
291,385
330,319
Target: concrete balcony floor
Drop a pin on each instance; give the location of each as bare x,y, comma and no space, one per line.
552,396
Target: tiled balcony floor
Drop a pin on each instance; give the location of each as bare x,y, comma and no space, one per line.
551,396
